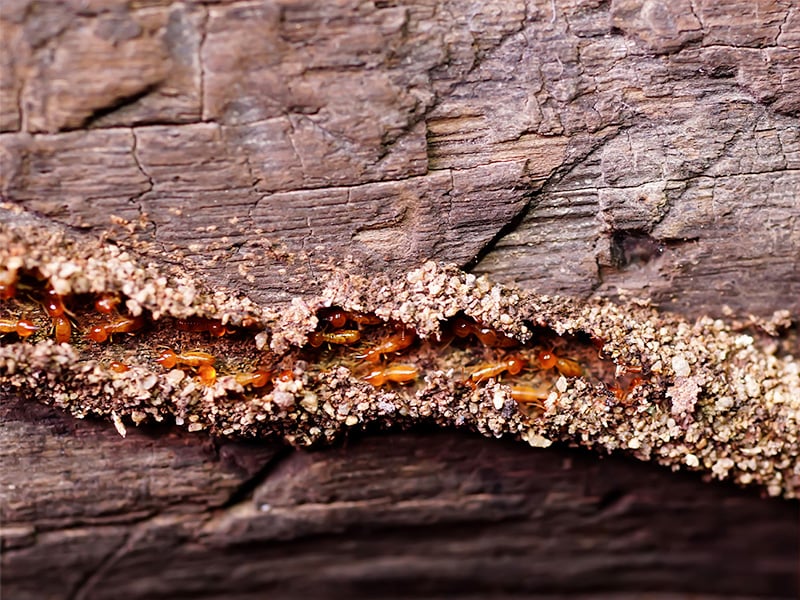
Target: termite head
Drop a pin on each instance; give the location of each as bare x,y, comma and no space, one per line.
462,327
207,374
53,303
62,328
167,358
106,304
547,359
516,364
98,334
118,367
8,285
217,329
334,315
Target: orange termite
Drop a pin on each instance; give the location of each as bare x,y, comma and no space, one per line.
7,291
23,328
207,374
463,327
118,367
168,359
566,366
394,343
363,318
199,324
393,373
526,394
513,365
55,308
101,333
621,393
344,337
53,303
336,316
107,304
494,339
257,379
62,328
286,375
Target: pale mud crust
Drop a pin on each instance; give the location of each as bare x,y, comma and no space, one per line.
719,397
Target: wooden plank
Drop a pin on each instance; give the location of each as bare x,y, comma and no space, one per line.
621,149
676,120
430,514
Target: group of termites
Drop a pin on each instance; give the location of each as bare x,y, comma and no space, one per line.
385,361
109,319
378,352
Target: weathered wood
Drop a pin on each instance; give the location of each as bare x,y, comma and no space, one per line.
163,514
605,147
585,148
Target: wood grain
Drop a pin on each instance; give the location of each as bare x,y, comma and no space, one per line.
575,147
165,514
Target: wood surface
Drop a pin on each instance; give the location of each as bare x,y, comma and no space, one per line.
623,148
162,514
573,147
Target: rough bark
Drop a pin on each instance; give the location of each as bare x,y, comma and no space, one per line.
584,148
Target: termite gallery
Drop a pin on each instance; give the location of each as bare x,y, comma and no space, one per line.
381,353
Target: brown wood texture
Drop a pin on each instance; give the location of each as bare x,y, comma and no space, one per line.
629,147
573,147
427,514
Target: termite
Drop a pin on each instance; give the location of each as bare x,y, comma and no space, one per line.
463,327
526,394
363,318
343,337
23,328
101,333
566,366
107,304
199,324
286,375
195,358
207,374
513,364
257,379
621,393
118,367
392,373
62,329
396,342
54,305
338,317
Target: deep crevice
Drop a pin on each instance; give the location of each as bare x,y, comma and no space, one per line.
116,105
249,486
511,226
633,247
